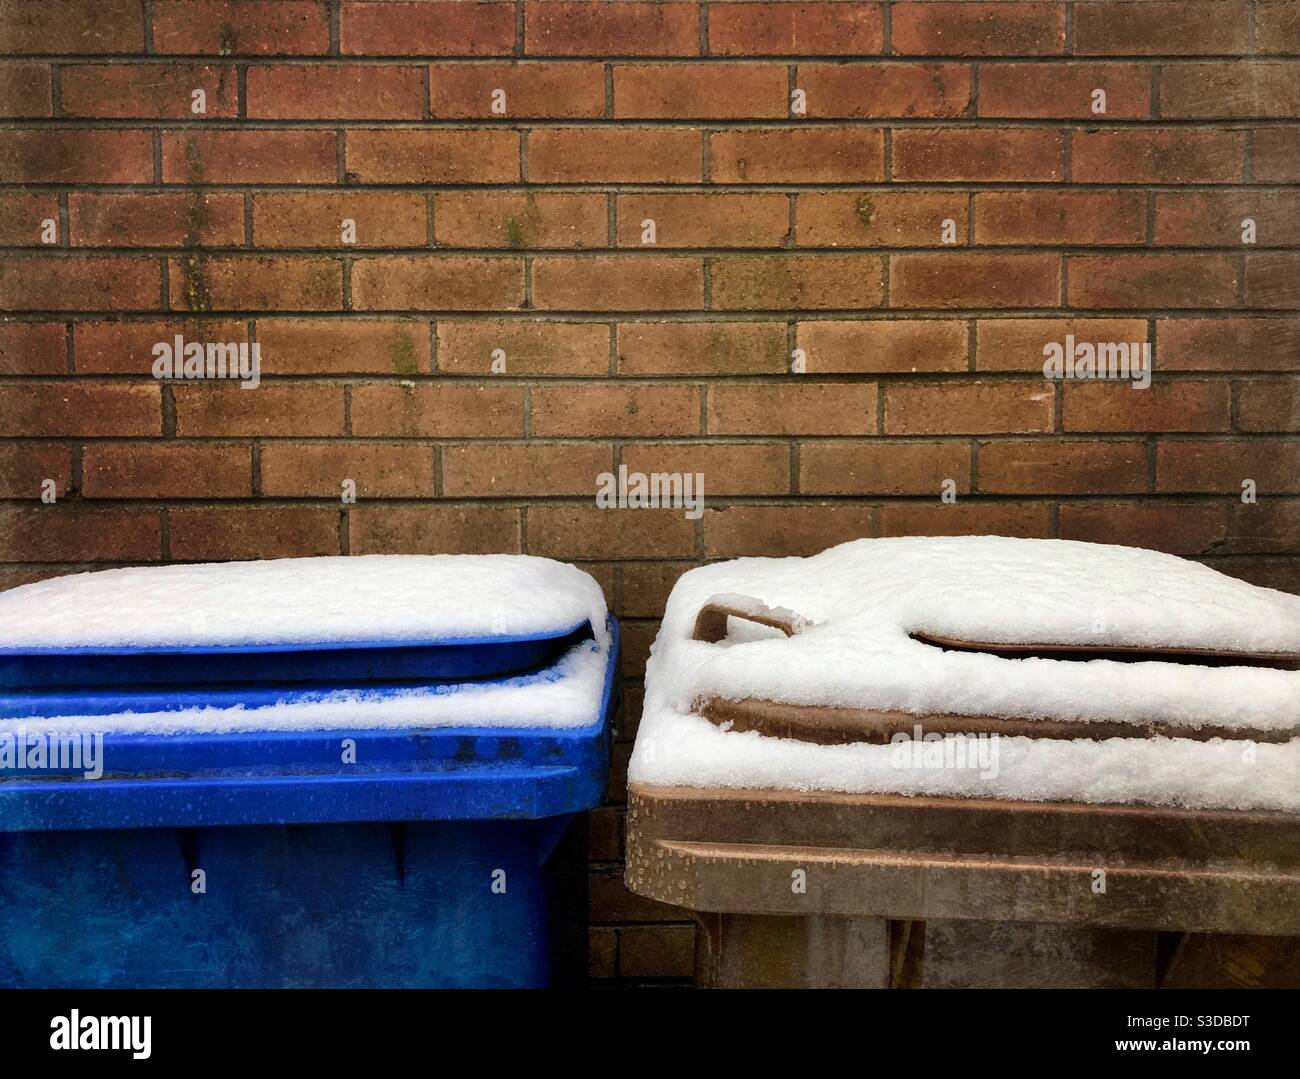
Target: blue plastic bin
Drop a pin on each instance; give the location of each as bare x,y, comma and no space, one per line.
434,860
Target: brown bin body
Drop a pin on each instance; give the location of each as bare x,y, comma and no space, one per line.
837,890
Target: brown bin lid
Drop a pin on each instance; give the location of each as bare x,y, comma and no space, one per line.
828,725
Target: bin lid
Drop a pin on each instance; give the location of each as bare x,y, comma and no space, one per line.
801,673
307,690
307,620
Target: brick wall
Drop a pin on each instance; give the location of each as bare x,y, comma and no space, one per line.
869,219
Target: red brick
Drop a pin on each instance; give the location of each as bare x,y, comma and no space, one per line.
71,26
871,90
433,157
778,531
318,469
693,220
736,468
272,409
26,466
879,218
628,410
777,282
1273,281
241,28
978,29
1061,217
212,534
1163,406
1275,155
1075,467
969,408
520,219
23,216
1159,28
305,346
1228,90
615,155
427,29
1277,26
79,156
618,283
883,468
69,407
555,90
958,279
532,349
335,92
1221,466
1230,344
196,219
1181,528
1269,405
33,348
795,155
1030,520
1158,156
149,91
258,157
1214,218
25,90
279,283
656,951
792,408
1065,90
646,586
1152,281
167,469
55,534
1282,574
595,28
869,346
702,348
528,471
578,532
126,348
700,91
383,219
433,282
36,283
1270,526
1020,154
1016,344
434,530
796,29
430,410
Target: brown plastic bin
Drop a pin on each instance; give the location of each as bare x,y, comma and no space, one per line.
821,889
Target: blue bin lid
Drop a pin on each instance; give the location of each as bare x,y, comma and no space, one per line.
183,743
317,621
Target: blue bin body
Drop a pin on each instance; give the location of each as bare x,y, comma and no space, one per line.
434,860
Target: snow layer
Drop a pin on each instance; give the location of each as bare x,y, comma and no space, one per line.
864,598
368,598
566,695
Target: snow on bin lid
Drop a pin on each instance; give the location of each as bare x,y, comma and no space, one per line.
367,599
861,607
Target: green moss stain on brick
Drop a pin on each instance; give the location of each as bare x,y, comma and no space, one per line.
405,362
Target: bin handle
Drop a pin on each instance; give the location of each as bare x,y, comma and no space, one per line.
711,622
